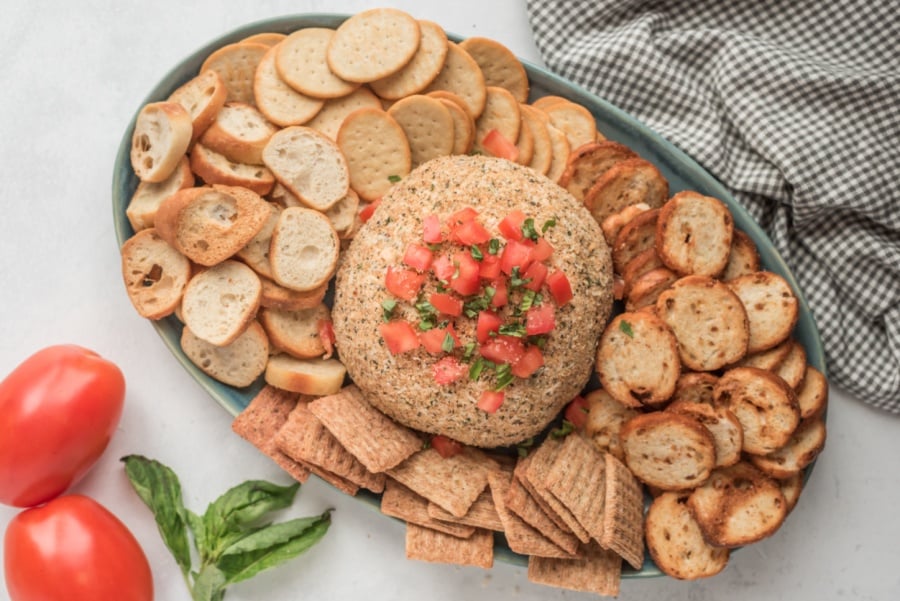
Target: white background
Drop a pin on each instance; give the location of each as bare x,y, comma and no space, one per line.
71,77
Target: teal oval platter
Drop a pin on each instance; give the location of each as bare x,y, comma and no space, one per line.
682,172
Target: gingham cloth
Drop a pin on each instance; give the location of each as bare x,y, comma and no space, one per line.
794,105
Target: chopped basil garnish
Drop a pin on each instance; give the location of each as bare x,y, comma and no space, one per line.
394,178
547,225
468,350
476,368
493,246
528,229
564,430
513,329
504,376
528,300
447,345
476,253
388,307
626,328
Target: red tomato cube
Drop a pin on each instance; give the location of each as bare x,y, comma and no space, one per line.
499,146
431,230
488,322
511,225
490,401
399,336
465,280
448,370
540,320
403,283
446,304
560,288
535,274
418,257
531,361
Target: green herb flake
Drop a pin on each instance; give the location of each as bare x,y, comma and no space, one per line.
524,447
448,343
528,300
516,329
528,229
626,328
504,376
564,430
468,349
493,246
388,307
476,253
476,368
548,224
394,178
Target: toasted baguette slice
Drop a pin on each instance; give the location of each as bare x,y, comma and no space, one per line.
201,97
696,387
309,164
147,197
637,359
627,183
709,322
812,394
743,257
646,289
214,168
317,377
768,359
343,215
256,252
667,450
219,302
162,134
589,160
793,368
804,446
635,237
237,364
304,249
239,132
643,262
738,505
764,404
771,306
211,224
676,542
694,233
605,418
721,423
296,332
791,488
155,274
614,223
276,296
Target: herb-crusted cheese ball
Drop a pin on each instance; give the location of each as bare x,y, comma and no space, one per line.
443,373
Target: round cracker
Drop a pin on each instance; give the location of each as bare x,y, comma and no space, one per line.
376,150
576,121
463,127
267,38
462,76
301,64
236,65
373,44
279,102
425,65
525,143
501,112
328,121
499,65
559,144
428,126
542,154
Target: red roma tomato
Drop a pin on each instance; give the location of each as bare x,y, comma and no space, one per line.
531,361
511,225
73,549
446,303
58,411
540,320
431,230
418,257
503,349
465,280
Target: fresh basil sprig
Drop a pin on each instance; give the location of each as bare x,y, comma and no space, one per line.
232,541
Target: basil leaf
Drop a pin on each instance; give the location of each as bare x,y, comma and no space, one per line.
159,488
626,328
209,584
227,518
271,546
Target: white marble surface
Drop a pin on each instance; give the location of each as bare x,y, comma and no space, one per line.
72,76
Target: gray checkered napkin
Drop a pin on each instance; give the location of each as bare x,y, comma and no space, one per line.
795,107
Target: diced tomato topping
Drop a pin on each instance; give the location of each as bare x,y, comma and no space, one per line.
465,280
503,349
433,339
366,212
540,320
403,283
531,361
541,250
431,230
515,254
463,215
326,335
488,322
511,225
399,336
446,447
443,268
490,267
490,401
499,146
448,370
446,304
535,273
577,412
469,233
501,293
418,257
560,288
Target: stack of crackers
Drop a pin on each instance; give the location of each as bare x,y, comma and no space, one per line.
575,511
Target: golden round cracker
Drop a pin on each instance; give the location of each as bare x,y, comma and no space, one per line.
328,120
559,144
301,64
576,121
499,65
501,112
267,38
525,143
236,65
425,65
542,154
373,44
545,101
428,126
279,102
462,76
463,127
376,150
